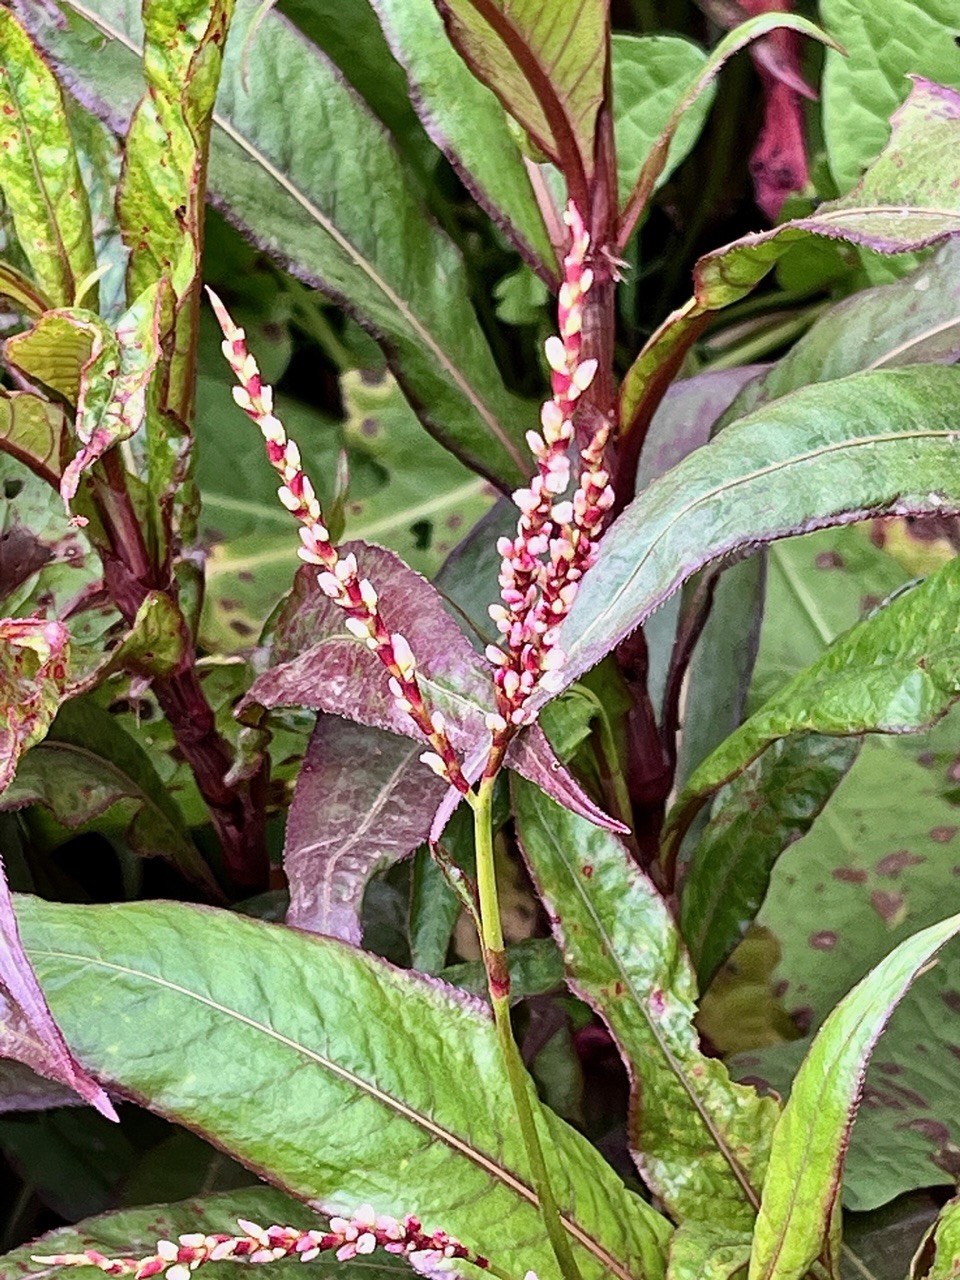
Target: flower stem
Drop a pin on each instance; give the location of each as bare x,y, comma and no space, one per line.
498,979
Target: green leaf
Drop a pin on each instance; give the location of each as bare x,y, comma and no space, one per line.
88,766
650,75
701,1251
938,1257
467,123
546,66
366,1070
908,199
895,672
689,99
700,1141
881,442
306,199
774,802
41,179
876,867
134,1233
801,1190
862,90
33,431
915,320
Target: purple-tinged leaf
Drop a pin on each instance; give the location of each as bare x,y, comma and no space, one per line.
829,454
363,800
687,415
795,1226
907,200
23,1090
28,1032
699,1140
41,181
321,666
546,64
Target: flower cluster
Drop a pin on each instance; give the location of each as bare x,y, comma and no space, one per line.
339,577
348,1237
556,537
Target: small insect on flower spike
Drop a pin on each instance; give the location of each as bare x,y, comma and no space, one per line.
339,576
363,1233
555,540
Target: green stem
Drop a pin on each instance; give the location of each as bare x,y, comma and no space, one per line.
498,978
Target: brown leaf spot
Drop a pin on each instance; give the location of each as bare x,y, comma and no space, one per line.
894,863
826,940
942,835
829,560
888,906
849,875
952,1000
587,871
889,1068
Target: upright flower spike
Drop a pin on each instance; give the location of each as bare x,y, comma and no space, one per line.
363,1233
555,542
339,576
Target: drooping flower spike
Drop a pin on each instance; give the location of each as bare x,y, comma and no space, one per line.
363,1233
339,577
556,538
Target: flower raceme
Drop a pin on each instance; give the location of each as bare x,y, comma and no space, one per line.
541,567
363,1233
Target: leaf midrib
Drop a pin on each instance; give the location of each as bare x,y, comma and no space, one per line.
423,333
437,1131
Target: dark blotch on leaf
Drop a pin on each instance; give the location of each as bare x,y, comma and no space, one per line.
823,941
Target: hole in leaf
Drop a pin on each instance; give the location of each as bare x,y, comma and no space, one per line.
11,488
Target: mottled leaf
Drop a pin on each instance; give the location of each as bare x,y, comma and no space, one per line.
23,293
40,176
112,400
650,76
878,442
88,764
467,123
363,800
774,802
908,199
134,1233
318,664
862,90
310,205
801,1190
547,67
387,1089
702,1251
33,431
895,672
700,1141
938,1258
33,671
